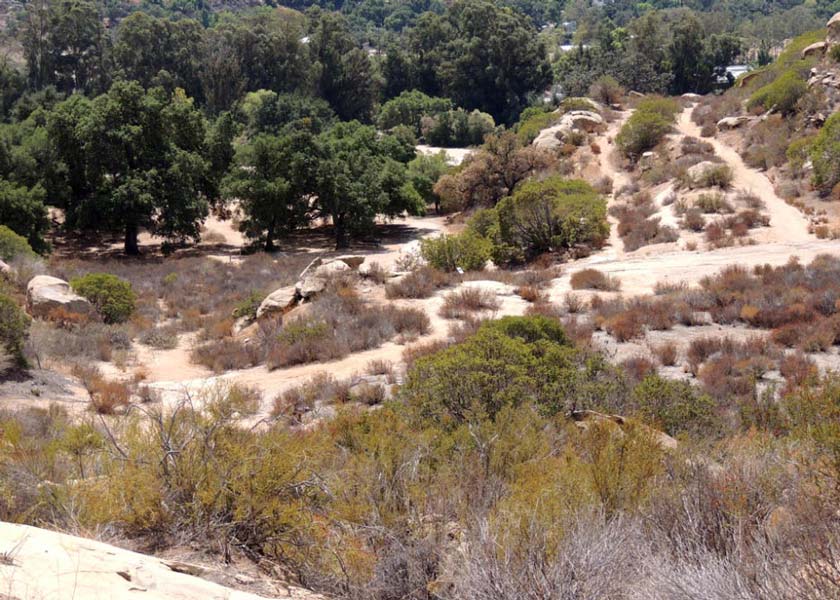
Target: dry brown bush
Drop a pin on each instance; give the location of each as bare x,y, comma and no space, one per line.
420,283
465,302
666,353
592,279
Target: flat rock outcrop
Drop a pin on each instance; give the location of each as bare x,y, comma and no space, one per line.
53,566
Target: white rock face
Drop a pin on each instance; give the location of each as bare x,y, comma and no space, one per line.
815,49
583,120
52,566
45,294
733,122
277,301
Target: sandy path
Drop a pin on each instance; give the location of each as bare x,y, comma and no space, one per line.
787,224
611,167
272,383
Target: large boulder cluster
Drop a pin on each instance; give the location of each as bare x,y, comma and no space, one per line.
575,120
311,281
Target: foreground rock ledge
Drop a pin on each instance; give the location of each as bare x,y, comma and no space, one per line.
47,565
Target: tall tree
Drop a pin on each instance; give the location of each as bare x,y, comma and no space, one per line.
481,55
144,162
64,45
346,78
272,180
157,51
358,180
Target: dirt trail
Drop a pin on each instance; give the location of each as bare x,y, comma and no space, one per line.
611,168
638,272
787,224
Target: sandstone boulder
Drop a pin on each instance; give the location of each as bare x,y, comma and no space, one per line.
732,122
280,300
833,26
314,281
5,270
48,564
582,120
695,173
815,49
44,294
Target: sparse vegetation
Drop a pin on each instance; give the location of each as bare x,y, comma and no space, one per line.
592,279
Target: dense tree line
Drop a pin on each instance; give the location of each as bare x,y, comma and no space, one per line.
129,125
652,54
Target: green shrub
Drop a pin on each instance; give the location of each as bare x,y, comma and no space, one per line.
13,245
113,297
457,127
507,363
22,209
530,125
552,215
467,250
664,107
248,307
798,151
834,53
408,108
607,90
674,406
825,155
642,132
781,95
14,325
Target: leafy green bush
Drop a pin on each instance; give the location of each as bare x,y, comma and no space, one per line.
551,215
13,245
14,325
506,363
112,297
664,107
642,132
467,250
675,406
782,94
798,151
457,128
834,53
22,210
825,155
409,108
533,122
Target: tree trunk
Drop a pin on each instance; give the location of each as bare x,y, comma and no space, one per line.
341,239
269,238
131,246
